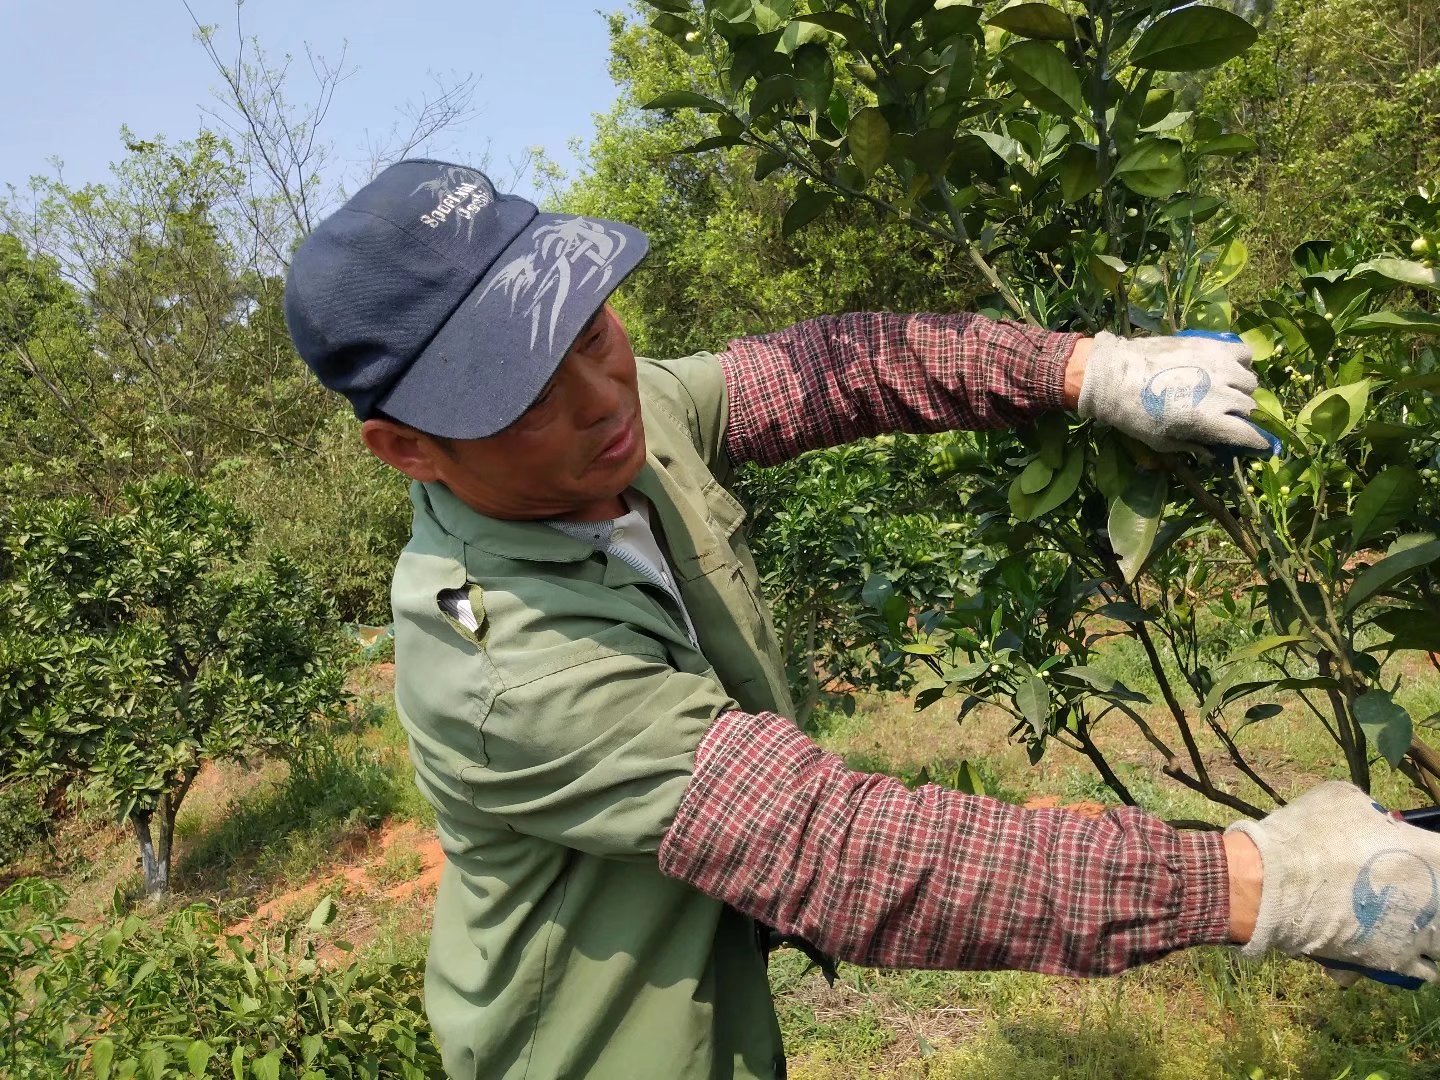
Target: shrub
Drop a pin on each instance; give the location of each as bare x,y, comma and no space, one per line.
184,1000
136,652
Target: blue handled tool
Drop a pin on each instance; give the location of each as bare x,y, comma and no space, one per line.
1234,339
1425,817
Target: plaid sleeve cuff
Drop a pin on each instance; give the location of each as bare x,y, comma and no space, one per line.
875,874
838,378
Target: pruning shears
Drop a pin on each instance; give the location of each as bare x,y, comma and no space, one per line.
1425,817
1228,453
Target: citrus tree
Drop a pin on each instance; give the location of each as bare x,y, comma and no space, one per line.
135,652
1050,145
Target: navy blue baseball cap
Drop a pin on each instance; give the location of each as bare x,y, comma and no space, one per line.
431,298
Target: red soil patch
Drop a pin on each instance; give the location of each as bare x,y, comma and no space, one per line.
1052,802
370,850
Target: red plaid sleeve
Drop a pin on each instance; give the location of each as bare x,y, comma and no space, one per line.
875,874
834,379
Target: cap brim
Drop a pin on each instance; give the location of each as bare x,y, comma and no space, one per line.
498,349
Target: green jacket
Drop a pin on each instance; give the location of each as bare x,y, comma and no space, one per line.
556,742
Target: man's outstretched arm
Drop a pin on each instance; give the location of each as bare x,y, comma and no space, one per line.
837,378
876,874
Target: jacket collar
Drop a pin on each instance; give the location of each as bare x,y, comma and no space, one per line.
528,541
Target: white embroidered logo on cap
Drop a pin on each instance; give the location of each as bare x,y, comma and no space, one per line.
461,192
583,253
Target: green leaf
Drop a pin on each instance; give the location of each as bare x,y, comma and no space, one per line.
1198,210
1107,685
1158,104
310,1047
1402,272
1410,629
324,914
814,75
1108,271
1079,172
1383,502
869,137
1231,143
715,142
1153,167
1333,414
967,780
1032,697
856,33
153,1063
1396,322
1387,725
1060,486
877,590
678,30
1390,570
102,1056
1233,259
806,208
1124,611
684,99
1033,20
1257,649
1035,477
768,93
1135,520
677,7
1231,689
1192,39
1043,75
1256,713
964,673
900,15
198,1057
1066,481
267,1067
767,163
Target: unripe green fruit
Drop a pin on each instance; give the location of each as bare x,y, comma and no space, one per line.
1256,466
1284,491
693,35
1329,316
1421,246
1132,213
1015,188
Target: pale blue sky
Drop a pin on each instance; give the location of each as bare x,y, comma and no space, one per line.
71,74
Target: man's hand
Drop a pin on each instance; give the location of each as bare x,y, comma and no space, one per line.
1170,393
1343,880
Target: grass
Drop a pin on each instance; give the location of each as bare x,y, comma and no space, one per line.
265,834
1201,1014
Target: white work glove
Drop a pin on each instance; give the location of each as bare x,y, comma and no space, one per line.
1344,880
1173,393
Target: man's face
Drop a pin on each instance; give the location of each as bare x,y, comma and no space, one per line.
569,456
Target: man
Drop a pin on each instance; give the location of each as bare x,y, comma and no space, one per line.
596,702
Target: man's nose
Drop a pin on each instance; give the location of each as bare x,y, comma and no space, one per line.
601,395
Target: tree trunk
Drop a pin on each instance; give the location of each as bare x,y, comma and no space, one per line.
155,832
154,861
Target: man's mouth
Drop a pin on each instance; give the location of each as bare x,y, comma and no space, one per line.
621,446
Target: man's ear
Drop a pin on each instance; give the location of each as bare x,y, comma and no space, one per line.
402,447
